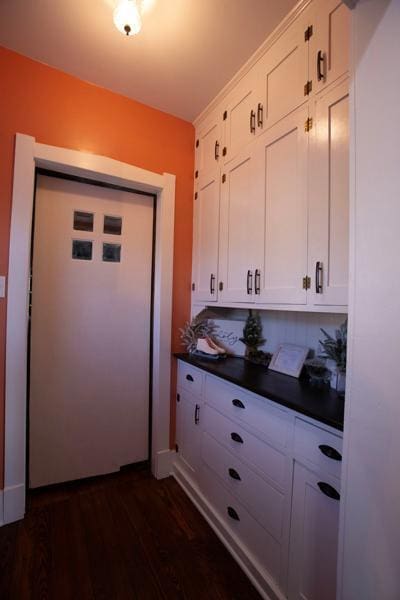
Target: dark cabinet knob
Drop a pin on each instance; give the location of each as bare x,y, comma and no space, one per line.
232,513
238,403
330,452
236,437
234,474
328,490
189,378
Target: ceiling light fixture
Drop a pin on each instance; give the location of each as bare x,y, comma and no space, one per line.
127,17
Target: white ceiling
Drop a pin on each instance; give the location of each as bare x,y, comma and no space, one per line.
185,54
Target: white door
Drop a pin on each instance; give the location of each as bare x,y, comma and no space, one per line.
90,330
188,431
208,144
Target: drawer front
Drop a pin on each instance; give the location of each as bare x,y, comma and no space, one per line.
318,446
190,378
272,423
262,501
262,546
271,462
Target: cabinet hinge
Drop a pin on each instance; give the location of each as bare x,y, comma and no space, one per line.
306,283
196,174
225,115
178,398
221,286
224,150
176,448
195,195
308,33
223,178
308,88
308,124
197,143
193,287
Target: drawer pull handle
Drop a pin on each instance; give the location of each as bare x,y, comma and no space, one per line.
238,403
328,490
330,452
189,378
234,474
232,513
197,414
236,438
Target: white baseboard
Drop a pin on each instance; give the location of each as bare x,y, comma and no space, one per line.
13,503
162,463
258,576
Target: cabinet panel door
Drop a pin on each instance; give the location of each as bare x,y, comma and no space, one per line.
329,199
241,118
329,50
205,237
281,165
208,151
313,538
283,72
239,230
188,434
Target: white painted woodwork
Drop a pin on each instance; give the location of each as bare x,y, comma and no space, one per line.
191,379
188,411
208,145
283,72
331,37
263,501
206,237
281,172
240,209
313,538
329,197
240,125
308,438
90,335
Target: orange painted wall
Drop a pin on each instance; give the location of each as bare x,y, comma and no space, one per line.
60,110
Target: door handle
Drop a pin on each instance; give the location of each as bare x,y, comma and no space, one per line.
189,377
318,277
330,452
252,121
249,283
257,281
232,513
197,414
238,403
236,437
320,65
260,114
234,474
216,150
212,284
328,490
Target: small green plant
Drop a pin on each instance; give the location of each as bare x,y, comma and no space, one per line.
335,348
252,339
199,327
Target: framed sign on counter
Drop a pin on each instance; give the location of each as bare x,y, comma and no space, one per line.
289,359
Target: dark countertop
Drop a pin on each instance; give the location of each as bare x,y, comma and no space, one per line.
322,404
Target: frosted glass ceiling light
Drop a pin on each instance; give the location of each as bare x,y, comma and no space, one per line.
127,18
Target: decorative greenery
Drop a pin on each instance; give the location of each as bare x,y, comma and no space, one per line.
335,348
252,338
199,327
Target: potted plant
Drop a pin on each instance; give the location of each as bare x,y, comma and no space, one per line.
335,348
252,339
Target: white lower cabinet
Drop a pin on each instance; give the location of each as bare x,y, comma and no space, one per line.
266,478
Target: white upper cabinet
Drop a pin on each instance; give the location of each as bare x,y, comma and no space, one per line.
282,74
205,237
281,167
239,229
208,145
329,198
329,44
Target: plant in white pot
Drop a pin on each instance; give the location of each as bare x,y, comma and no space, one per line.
335,348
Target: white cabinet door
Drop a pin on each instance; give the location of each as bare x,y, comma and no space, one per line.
313,537
205,237
329,199
188,434
329,49
281,166
239,232
283,73
240,117
208,150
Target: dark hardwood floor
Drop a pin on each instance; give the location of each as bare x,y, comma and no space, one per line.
119,537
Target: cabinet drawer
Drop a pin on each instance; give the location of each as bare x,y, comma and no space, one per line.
262,501
262,546
246,446
271,422
190,378
320,447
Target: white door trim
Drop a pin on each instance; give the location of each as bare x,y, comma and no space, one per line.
28,155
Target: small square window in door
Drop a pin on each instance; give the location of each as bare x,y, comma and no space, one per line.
112,225
83,221
82,249
112,253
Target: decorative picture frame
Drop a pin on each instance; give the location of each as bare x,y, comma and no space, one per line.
289,359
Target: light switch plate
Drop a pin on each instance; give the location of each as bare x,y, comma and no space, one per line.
2,286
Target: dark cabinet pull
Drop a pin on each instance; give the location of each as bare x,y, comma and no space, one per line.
318,277
238,403
249,282
216,150
328,490
257,281
197,414
252,121
320,65
212,284
234,474
189,378
236,437
232,513
330,452
260,115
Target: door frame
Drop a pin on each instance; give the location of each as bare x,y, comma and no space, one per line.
28,156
